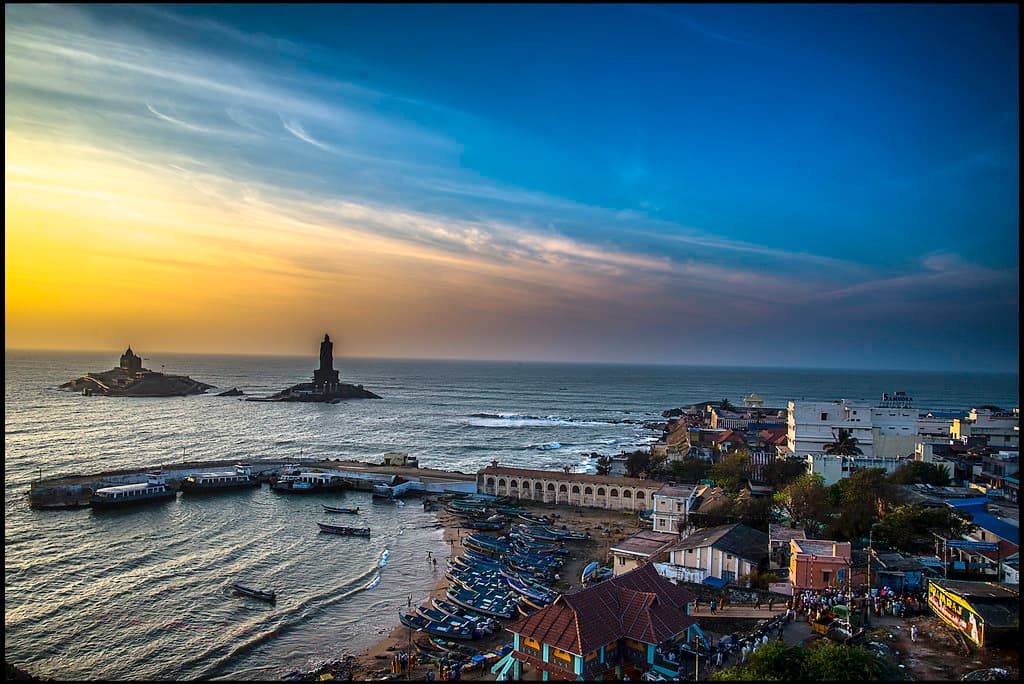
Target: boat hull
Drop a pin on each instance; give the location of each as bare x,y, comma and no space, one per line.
129,502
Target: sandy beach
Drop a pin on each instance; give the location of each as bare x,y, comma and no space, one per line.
375,662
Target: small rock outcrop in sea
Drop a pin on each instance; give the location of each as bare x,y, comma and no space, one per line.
325,386
233,392
130,379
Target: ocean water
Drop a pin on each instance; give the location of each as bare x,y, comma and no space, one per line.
144,594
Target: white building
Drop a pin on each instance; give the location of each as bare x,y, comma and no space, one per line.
672,506
814,424
723,553
997,428
835,468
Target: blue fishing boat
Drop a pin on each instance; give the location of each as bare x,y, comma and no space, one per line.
493,605
419,622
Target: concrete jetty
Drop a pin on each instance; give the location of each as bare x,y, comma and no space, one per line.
73,491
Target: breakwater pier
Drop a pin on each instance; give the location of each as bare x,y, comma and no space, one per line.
73,491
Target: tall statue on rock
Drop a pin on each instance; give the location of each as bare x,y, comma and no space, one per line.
325,378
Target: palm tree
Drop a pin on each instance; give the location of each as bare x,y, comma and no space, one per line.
845,445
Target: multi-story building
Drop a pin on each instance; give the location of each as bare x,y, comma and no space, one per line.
989,428
724,554
672,506
819,564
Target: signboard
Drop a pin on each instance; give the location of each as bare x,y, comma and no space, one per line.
956,612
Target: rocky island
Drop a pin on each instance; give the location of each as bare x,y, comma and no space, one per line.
325,386
130,379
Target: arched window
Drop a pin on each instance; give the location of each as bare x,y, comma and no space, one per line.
551,487
490,482
626,494
501,482
538,486
588,491
600,491
513,484
563,488
614,492
640,495
575,489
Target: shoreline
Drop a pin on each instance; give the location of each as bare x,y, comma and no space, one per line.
374,662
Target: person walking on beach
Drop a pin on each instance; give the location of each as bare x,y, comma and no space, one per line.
712,606
757,602
409,602
771,602
913,632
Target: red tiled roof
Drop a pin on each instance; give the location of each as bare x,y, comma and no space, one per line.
640,605
776,436
728,436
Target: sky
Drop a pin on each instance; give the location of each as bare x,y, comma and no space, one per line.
830,186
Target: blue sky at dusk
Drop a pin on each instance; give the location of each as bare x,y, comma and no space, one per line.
812,185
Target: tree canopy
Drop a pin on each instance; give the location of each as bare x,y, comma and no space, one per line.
845,445
731,471
805,501
919,472
821,660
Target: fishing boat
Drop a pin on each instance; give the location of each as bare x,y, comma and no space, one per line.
419,622
239,478
154,489
345,531
502,606
255,593
431,613
589,571
483,525
458,611
339,509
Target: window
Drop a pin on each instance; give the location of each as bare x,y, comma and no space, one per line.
622,560
826,575
824,416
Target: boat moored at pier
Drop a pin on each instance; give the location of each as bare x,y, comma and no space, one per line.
154,489
303,482
240,477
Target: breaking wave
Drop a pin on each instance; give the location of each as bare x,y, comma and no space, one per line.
515,420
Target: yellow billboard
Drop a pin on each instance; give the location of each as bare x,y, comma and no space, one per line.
956,612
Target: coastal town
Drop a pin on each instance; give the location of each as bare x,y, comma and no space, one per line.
882,534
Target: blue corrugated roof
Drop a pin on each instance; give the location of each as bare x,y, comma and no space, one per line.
1000,528
715,582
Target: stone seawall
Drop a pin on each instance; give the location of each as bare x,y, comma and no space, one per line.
73,491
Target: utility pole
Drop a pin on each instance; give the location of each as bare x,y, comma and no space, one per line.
696,662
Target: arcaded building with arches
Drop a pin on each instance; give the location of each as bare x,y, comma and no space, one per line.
571,489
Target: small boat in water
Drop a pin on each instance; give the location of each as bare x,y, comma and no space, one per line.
339,509
152,490
255,593
345,531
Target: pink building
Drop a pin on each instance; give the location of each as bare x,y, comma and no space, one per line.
819,563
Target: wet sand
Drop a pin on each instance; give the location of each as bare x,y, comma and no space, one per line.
375,662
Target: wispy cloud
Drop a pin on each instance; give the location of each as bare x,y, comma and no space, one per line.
682,19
